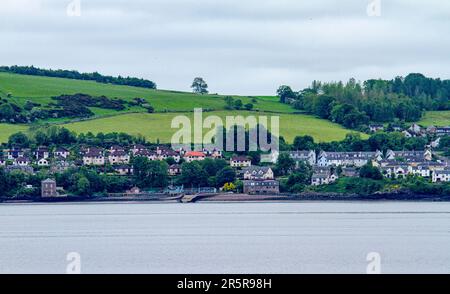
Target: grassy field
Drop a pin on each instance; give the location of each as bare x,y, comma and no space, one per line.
41,89
134,120
158,126
7,130
436,118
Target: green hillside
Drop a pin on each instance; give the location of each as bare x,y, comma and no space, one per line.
157,126
7,130
436,118
22,88
41,89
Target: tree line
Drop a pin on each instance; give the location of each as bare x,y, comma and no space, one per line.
355,105
75,75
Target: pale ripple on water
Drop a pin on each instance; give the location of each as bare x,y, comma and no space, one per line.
302,237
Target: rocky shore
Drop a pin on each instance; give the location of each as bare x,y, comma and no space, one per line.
229,197
392,196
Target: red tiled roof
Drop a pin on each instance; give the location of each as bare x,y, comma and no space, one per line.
194,154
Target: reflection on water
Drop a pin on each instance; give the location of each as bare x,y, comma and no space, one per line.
310,237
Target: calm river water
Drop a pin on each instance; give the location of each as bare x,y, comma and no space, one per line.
301,237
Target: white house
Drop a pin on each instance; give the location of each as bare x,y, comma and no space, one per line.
138,148
123,170
304,156
420,171
415,129
376,127
14,153
407,134
258,173
212,152
21,161
164,153
410,155
43,162
240,161
442,131
272,157
61,152
357,159
42,152
194,156
119,157
395,171
323,178
94,157
441,176
146,153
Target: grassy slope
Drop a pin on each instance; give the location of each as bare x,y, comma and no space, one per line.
8,130
436,118
41,89
158,126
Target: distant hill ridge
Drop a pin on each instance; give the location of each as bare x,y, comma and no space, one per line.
75,75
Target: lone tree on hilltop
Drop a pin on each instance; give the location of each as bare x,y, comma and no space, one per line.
285,93
199,86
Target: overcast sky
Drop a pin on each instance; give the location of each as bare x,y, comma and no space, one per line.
239,46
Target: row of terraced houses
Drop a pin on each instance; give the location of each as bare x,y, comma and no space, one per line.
392,164
257,179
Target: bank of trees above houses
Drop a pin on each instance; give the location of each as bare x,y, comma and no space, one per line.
355,104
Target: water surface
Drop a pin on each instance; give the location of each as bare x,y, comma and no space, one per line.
301,237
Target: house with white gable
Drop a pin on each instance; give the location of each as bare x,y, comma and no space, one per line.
119,157
43,162
240,161
410,156
94,156
323,178
258,173
357,159
42,152
61,152
395,171
22,161
305,156
441,176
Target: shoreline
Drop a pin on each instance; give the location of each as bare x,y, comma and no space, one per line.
241,198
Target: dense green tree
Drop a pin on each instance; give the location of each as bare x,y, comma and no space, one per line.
284,93
19,140
248,106
322,106
6,112
229,102
83,187
304,143
199,86
150,174
298,180
213,166
370,172
238,104
285,164
226,175
193,175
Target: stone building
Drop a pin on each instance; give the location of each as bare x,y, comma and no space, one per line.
261,187
48,188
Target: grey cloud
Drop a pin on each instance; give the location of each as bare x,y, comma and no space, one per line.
243,47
